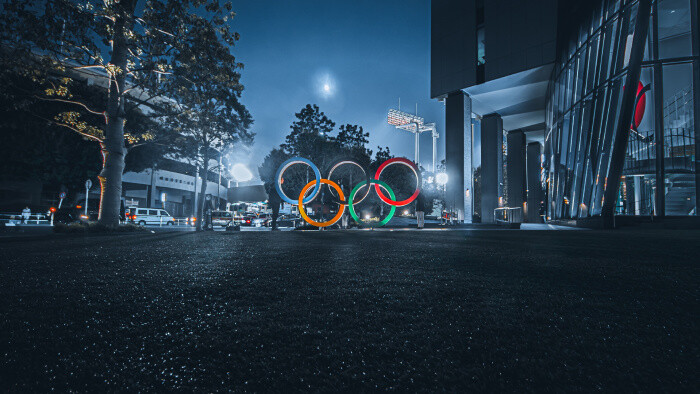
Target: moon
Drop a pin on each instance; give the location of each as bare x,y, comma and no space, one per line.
326,85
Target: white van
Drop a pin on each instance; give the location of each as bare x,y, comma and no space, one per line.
144,216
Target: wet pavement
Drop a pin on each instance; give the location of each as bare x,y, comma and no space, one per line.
351,311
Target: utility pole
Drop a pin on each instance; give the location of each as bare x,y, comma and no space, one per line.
218,185
196,177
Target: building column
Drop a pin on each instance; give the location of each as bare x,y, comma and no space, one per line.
534,183
491,164
152,193
467,193
458,154
515,164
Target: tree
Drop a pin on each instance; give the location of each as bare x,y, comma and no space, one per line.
36,147
311,135
136,47
383,154
311,125
269,166
209,116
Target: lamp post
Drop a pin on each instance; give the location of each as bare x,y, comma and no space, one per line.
88,185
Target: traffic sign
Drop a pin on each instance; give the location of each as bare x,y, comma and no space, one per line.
88,184
62,195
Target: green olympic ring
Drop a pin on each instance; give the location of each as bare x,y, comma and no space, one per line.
352,206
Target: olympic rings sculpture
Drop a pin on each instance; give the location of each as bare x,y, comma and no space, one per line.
305,197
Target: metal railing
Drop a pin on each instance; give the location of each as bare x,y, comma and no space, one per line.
508,215
679,151
16,218
679,107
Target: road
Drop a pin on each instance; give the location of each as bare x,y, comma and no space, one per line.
351,311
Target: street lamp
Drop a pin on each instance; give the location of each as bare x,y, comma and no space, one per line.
441,178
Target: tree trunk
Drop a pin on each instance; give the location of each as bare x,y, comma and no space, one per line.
113,148
203,189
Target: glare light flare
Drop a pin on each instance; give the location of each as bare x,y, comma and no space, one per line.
241,173
441,178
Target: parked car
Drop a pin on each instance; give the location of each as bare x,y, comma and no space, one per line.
144,216
288,221
247,219
224,218
261,220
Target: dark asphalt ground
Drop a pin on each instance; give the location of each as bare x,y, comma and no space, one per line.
354,311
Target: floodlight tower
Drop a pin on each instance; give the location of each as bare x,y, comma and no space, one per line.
416,125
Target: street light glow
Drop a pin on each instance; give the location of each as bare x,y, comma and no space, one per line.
441,178
241,173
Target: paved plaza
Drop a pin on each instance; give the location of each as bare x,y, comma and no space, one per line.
351,311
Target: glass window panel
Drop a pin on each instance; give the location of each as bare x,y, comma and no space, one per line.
625,38
607,52
640,160
570,76
679,140
564,138
674,28
592,61
613,6
605,143
649,44
592,161
597,16
562,96
583,32
580,75
573,137
581,147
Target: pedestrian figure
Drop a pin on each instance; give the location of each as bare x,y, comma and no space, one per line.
344,221
420,211
26,213
274,201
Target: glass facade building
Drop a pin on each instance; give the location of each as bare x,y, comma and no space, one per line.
583,108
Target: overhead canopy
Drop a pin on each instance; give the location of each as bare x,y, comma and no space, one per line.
519,98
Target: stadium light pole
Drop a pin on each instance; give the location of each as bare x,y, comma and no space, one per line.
416,125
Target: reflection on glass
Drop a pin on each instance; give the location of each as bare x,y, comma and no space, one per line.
674,28
583,112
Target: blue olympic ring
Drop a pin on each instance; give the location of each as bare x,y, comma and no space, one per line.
289,163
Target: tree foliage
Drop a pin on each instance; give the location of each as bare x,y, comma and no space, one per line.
143,50
36,147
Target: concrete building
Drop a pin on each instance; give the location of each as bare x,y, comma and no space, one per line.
176,182
537,116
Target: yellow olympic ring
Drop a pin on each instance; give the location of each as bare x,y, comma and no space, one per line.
302,211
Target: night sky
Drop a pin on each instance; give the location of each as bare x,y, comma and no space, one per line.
352,58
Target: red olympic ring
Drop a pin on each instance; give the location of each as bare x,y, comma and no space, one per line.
409,164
